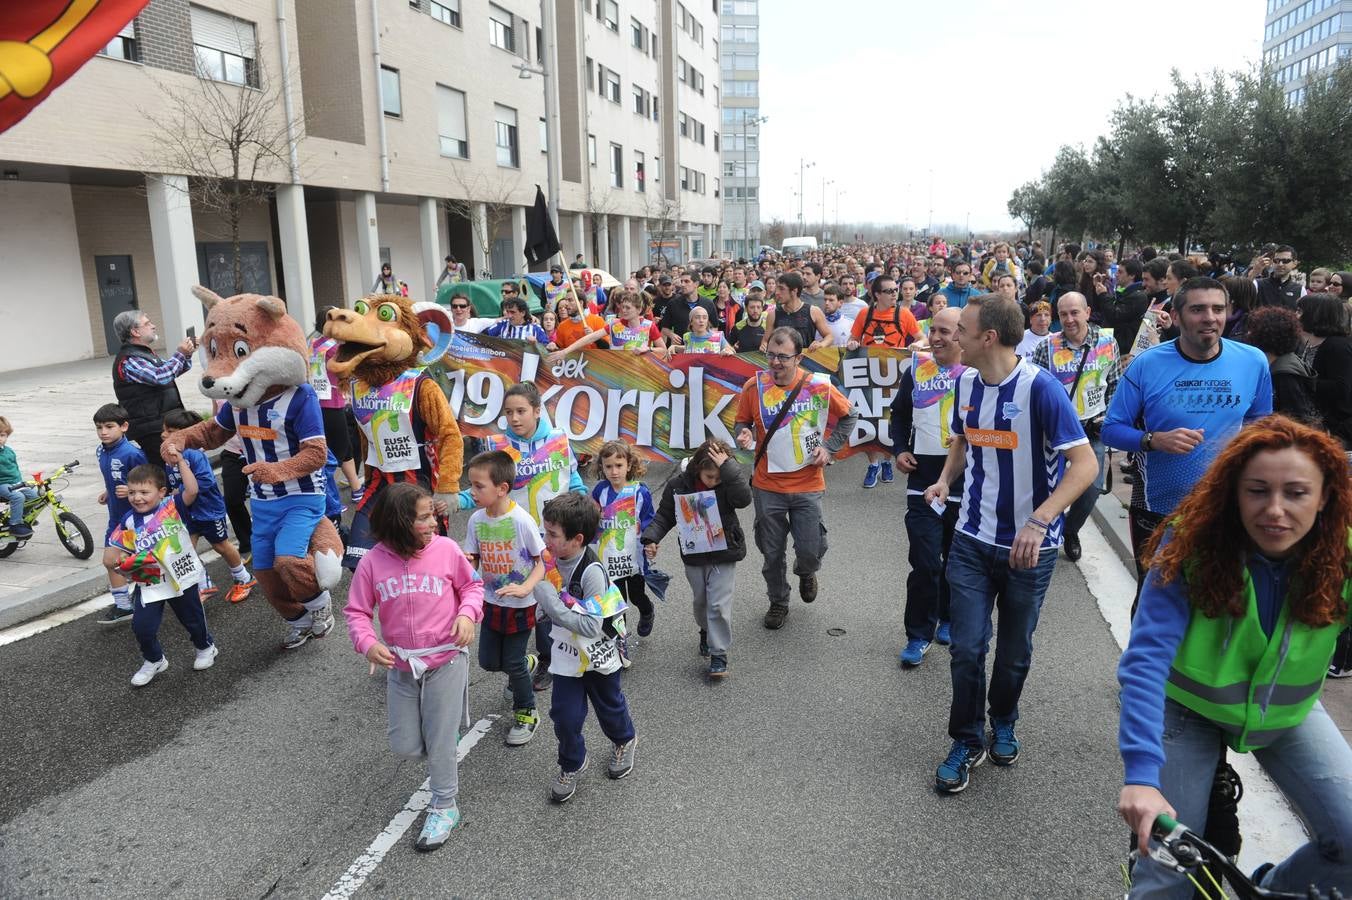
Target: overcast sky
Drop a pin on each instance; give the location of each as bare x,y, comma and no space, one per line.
878,94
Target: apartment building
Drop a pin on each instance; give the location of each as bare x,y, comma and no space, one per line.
1302,37
740,63
401,130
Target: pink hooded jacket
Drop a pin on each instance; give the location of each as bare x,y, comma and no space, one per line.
418,598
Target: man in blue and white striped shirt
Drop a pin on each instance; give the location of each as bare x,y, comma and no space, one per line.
1014,429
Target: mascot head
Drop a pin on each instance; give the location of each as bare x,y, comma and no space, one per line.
252,348
385,334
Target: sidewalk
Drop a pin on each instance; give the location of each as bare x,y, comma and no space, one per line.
52,409
1110,515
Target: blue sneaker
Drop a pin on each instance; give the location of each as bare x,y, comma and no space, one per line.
914,653
437,828
944,636
953,773
886,476
1004,745
871,476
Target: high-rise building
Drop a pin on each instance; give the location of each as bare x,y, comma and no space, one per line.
1302,37
740,62
403,130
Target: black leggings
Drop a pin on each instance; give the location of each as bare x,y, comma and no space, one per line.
235,487
634,589
335,433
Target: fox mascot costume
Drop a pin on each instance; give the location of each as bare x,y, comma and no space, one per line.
256,359
408,432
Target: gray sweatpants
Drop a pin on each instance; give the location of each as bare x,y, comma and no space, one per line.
776,516
712,587
425,720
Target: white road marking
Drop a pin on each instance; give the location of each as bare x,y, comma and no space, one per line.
51,620
366,863
1270,827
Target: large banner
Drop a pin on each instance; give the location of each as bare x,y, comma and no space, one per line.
44,42
666,408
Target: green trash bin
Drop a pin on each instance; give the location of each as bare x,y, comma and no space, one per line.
486,296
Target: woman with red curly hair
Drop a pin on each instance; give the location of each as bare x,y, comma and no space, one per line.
1247,591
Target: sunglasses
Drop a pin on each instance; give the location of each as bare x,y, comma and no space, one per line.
1286,261
459,306
887,290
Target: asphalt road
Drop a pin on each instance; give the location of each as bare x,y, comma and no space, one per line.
808,771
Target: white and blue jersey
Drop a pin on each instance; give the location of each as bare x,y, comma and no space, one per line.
1162,390
1016,433
273,431
115,463
210,504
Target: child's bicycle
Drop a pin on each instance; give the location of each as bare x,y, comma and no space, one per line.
1184,851
70,529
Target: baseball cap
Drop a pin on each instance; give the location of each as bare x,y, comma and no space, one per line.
757,284
556,268
665,279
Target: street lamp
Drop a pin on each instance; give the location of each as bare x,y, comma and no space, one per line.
802,167
836,228
525,70
746,203
825,182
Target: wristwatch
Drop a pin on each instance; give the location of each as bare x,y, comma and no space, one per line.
1148,440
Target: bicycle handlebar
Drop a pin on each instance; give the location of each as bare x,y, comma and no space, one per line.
1165,824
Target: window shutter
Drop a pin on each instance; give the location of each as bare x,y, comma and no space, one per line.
221,32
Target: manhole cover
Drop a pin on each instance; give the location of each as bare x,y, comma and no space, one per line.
835,632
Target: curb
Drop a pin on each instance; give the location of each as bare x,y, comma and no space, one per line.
67,591
1111,518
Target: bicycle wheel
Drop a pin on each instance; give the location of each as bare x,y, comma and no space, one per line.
74,535
8,549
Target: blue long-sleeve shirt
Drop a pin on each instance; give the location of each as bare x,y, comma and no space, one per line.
1156,633
465,500
1163,389
115,463
210,504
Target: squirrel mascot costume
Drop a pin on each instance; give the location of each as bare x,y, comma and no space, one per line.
257,360
408,433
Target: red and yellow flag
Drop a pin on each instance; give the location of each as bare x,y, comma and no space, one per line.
44,42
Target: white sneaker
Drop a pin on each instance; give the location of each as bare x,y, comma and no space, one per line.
322,622
205,658
297,633
148,671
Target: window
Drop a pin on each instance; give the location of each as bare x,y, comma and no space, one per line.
742,88
698,82
685,178
540,45
718,186
501,28
591,149
544,136
641,102
447,11
609,11
699,132
639,35
616,166
451,128
224,47
638,172
123,44
682,70
739,7
657,170
683,125
716,142
504,118
389,92
591,76
654,107
612,86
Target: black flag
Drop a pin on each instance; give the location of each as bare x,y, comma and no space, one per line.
542,242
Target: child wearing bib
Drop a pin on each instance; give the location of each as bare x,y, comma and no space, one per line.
626,507
700,338
701,502
428,599
545,468
156,554
588,619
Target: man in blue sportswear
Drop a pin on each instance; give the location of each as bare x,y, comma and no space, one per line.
1179,402
961,289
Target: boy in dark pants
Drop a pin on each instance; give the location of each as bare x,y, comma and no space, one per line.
587,618
156,553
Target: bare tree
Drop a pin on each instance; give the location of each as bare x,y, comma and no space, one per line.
773,233
230,140
496,196
664,222
600,202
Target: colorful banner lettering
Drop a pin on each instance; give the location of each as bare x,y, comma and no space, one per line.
666,408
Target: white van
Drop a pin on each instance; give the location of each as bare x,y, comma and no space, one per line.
797,246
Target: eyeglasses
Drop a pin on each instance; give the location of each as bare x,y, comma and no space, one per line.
886,290
781,357
1285,261
459,306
